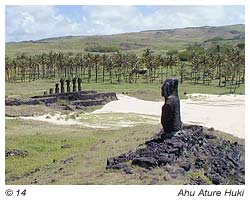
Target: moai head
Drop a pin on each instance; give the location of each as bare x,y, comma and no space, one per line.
170,86
79,80
68,82
62,81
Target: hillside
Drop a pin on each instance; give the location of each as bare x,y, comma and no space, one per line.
158,40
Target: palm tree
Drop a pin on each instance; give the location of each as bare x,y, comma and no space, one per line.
148,61
104,60
96,61
118,62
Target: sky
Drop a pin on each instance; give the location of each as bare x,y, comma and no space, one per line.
38,22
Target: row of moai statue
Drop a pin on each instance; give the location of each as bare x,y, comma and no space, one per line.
77,82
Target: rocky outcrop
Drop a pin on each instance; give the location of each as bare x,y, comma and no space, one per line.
15,152
189,149
76,99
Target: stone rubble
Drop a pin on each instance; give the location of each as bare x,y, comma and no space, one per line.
190,148
15,152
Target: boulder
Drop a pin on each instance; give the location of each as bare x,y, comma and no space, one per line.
15,152
145,162
186,165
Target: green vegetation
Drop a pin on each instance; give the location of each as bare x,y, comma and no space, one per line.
160,41
83,161
89,149
199,174
211,61
222,64
42,149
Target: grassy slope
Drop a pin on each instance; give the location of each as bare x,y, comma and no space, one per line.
158,40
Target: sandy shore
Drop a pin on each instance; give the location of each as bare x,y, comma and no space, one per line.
222,112
95,120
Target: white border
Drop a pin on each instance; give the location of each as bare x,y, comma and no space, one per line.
2,95
115,192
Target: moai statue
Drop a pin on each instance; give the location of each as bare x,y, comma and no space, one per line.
79,81
62,85
51,91
68,85
74,84
170,117
45,93
56,88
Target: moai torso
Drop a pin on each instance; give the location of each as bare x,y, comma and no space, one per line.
62,85
51,91
74,84
79,81
68,85
56,88
170,117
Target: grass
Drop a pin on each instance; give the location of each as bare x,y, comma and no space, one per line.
89,149
199,173
28,110
43,149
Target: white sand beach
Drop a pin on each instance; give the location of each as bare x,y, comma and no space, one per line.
222,112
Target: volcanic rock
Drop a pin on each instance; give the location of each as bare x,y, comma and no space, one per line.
186,165
146,162
219,160
15,152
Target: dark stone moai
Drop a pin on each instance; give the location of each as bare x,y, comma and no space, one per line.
79,81
68,85
74,84
62,85
45,93
171,117
56,88
51,91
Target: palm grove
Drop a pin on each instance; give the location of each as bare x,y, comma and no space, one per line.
221,65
